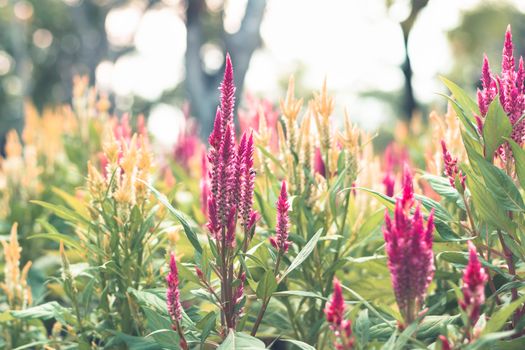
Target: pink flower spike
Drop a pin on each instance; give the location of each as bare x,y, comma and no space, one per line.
319,167
451,167
173,293
408,188
474,280
334,311
335,308
247,179
389,181
445,345
230,228
280,241
489,88
213,218
409,252
227,89
204,183
507,62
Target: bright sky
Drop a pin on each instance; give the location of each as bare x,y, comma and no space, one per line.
356,47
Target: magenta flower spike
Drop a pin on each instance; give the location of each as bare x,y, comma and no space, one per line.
474,280
204,184
319,167
280,241
408,188
247,176
489,89
172,293
451,167
335,308
227,89
389,181
334,312
409,251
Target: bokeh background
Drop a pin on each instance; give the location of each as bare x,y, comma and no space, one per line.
381,58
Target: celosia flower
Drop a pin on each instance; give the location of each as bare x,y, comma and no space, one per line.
474,279
188,142
489,89
319,167
334,311
173,301
451,167
389,181
247,179
204,184
445,345
227,89
173,293
409,251
231,167
15,285
122,129
510,85
280,241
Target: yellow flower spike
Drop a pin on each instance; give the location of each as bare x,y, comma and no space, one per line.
111,149
13,148
56,329
324,104
80,85
145,157
31,123
350,136
96,183
15,282
282,140
103,104
129,159
263,135
290,107
306,143
126,191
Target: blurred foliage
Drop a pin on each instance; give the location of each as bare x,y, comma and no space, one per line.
480,32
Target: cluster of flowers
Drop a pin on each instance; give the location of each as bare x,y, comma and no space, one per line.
510,87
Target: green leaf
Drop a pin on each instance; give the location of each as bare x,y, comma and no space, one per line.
58,237
136,343
384,199
241,341
498,319
440,213
484,203
62,212
519,158
267,285
303,254
192,236
362,328
45,311
461,96
466,120
298,293
298,344
500,185
207,325
5,316
73,202
441,186
496,127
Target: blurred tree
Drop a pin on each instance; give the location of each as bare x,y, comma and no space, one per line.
482,30
409,104
42,45
205,27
